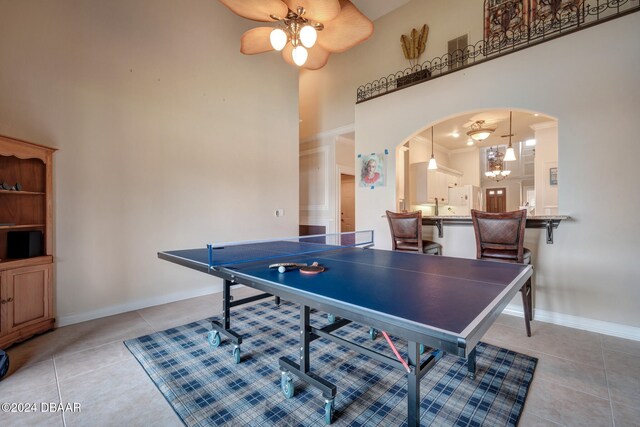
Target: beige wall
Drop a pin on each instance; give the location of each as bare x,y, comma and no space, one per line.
168,136
329,94
587,278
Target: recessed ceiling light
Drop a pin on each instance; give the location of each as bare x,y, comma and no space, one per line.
470,142
536,114
455,134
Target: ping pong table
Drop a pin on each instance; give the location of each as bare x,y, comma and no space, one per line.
444,303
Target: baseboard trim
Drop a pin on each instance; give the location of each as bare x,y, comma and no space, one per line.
591,325
135,305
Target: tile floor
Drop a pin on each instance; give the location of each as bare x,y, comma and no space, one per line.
582,378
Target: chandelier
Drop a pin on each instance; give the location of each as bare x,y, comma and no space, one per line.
496,168
302,33
479,132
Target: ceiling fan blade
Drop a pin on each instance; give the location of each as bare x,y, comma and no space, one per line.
348,29
317,58
256,40
257,10
316,10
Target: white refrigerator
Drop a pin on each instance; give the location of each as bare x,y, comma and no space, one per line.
464,198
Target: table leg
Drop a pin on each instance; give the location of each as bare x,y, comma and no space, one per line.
304,339
224,327
413,385
471,364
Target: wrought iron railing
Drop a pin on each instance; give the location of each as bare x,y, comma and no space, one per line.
509,26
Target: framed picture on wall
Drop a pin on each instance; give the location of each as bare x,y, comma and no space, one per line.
373,170
553,176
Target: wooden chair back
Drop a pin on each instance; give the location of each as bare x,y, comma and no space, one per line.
499,236
406,231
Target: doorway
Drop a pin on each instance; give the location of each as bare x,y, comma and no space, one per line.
347,203
496,200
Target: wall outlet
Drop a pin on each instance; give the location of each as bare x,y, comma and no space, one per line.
279,213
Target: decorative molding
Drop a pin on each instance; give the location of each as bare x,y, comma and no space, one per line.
324,151
569,321
330,133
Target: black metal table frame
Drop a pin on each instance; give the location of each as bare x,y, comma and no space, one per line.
438,340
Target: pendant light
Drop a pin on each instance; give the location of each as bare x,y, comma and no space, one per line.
510,155
432,162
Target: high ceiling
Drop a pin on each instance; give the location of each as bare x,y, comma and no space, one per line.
374,9
499,119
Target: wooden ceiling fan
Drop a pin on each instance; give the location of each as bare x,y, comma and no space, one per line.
308,31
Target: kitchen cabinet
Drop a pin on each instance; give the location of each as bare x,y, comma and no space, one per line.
427,185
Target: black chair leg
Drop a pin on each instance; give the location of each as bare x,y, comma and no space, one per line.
526,303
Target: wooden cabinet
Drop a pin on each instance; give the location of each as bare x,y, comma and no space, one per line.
26,206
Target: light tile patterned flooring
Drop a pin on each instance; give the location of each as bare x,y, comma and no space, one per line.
582,378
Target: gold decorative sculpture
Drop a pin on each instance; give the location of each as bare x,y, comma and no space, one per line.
413,45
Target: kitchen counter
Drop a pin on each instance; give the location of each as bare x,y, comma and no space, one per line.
533,221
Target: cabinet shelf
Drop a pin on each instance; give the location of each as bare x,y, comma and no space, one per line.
22,193
21,226
26,284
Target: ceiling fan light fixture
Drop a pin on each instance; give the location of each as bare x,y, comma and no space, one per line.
308,36
299,55
278,39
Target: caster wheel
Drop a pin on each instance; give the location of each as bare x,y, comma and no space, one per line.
214,338
331,318
236,355
373,334
286,384
328,411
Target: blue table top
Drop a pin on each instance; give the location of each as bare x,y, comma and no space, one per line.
447,294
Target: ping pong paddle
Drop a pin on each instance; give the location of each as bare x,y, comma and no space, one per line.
282,266
312,269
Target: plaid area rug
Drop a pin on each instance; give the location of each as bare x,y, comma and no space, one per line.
206,388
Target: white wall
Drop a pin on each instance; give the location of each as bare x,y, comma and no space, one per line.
168,138
589,272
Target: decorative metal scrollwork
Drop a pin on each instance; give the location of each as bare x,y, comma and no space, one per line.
508,25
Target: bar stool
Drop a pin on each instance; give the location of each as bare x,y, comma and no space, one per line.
406,233
500,237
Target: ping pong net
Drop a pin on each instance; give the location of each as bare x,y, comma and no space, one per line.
228,254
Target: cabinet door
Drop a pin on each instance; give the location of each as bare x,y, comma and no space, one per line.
442,183
26,296
432,186
3,306
452,180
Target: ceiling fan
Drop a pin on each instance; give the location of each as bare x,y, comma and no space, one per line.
308,31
